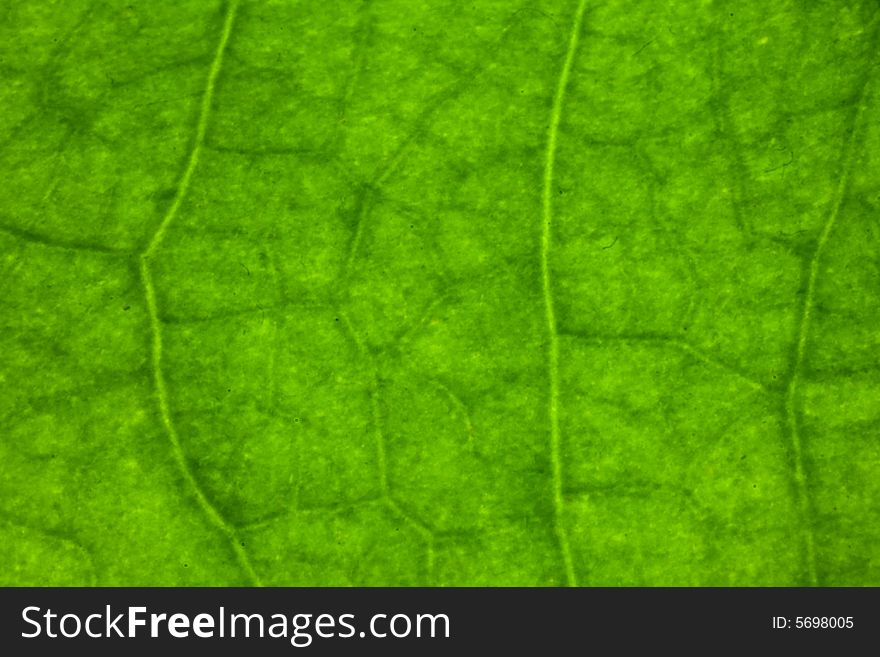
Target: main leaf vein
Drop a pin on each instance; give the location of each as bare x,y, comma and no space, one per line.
208,509
549,310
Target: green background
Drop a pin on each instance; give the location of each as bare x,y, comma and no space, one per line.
423,292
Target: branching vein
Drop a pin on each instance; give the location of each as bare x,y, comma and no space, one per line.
210,511
549,311
792,391
388,499
201,129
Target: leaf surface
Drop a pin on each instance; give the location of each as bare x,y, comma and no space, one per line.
390,293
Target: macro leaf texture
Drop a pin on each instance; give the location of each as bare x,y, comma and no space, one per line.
422,292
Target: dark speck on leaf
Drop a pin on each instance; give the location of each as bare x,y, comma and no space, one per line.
643,47
126,307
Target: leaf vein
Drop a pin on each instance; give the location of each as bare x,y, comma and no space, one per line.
208,509
549,310
201,129
47,241
806,312
388,499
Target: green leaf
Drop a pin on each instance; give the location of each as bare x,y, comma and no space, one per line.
381,292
